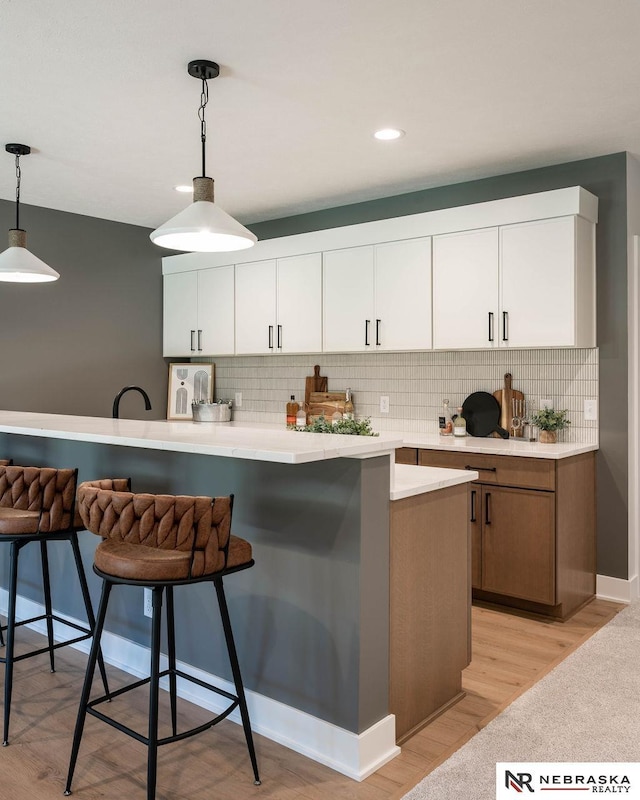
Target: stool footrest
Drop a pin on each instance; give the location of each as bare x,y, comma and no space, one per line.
86,634
91,708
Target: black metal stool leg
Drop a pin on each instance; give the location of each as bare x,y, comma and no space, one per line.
88,680
11,627
171,653
237,677
84,587
154,686
46,583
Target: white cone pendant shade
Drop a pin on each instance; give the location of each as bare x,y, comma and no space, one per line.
203,227
18,265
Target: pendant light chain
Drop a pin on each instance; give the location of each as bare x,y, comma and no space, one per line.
18,179
204,99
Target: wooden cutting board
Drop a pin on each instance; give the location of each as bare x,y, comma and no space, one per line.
326,403
505,397
315,383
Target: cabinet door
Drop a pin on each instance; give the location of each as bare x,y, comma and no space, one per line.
215,311
465,289
518,543
538,297
299,290
179,315
256,307
348,300
403,295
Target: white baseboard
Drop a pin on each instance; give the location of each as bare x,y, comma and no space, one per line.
620,590
354,755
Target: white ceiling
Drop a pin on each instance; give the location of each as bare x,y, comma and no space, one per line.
99,89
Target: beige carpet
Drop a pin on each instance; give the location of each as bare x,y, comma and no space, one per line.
586,709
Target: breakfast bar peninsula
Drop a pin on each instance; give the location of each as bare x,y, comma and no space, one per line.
312,619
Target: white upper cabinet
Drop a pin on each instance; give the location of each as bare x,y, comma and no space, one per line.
403,295
198,313
348,299
279,305
547,282
465,290
378,298
514,272
525,285
255,307
299,304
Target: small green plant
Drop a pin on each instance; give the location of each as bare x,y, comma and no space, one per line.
355,427
548,419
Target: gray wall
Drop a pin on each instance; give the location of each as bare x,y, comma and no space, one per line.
606,178
70,346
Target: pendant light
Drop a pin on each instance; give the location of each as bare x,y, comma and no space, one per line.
203,227
17,264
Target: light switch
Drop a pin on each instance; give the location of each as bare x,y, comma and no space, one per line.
238,399
591,410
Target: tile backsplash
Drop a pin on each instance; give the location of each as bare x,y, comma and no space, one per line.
415,383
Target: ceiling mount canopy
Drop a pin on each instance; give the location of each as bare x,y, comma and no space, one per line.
17,264
203,227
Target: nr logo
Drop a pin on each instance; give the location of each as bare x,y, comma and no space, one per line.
517,781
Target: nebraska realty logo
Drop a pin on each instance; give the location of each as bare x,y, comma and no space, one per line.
560,779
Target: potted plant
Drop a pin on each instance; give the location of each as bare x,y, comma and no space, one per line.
550,422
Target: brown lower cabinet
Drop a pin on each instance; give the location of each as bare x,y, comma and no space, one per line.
532,526
429,604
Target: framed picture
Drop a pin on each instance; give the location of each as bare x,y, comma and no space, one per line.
188,382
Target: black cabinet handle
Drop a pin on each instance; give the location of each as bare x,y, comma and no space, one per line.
193,346
279,336
505,326
378,321
473,505
200,340
270,337
481,469
366,332
491,326
487,515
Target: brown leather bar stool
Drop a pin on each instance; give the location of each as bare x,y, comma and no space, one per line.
161,541
37,505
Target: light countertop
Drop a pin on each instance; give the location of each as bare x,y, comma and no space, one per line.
254,441
408,480
495,447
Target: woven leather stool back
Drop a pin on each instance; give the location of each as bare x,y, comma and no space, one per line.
44,489
199,525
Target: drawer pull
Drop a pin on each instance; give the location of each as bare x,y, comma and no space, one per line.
481,469
473,505
487,516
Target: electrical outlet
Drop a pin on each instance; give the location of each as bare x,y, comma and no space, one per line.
148,606
546,403
384,405
591,410
238,399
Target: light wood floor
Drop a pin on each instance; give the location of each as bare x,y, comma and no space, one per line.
510,653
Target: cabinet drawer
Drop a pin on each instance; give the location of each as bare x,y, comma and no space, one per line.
527,473
406,455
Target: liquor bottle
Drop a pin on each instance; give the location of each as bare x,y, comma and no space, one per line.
348,406
445,423
292,410
301,417
459,424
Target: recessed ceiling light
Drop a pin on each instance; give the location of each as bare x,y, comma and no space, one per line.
387,134
185,189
